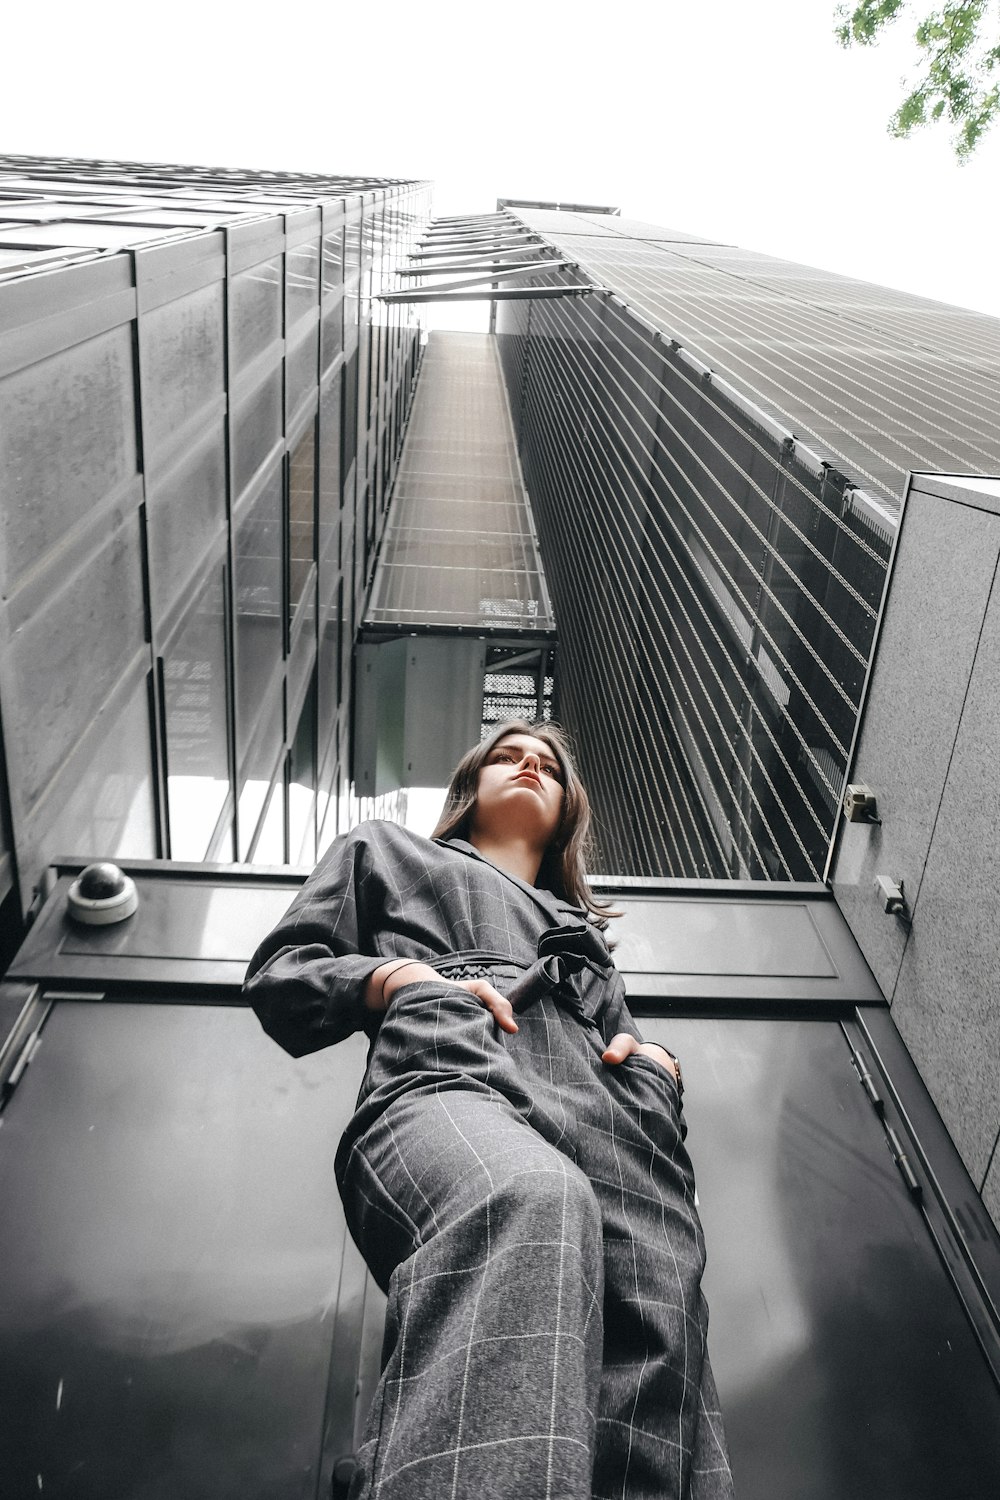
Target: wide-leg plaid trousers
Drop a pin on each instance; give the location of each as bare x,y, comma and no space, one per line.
529,1210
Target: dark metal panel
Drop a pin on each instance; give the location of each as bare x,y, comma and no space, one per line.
837,1334
845,1360
845,1363
716,947
957,1217
194,930
687,946
172,1243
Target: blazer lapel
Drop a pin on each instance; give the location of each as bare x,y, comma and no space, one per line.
550,904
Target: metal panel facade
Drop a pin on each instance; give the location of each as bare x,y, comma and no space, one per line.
716,592
188,445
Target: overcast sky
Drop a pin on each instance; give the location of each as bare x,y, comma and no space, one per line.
742,121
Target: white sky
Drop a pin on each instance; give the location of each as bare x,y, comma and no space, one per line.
742,121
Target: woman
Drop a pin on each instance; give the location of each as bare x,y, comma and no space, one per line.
514,1174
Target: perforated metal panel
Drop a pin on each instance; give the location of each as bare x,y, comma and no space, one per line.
880,382
717,594
459,548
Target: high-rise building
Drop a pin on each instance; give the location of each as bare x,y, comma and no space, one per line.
201,407
716,443
269,556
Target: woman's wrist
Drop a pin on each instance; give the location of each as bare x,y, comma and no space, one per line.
381,986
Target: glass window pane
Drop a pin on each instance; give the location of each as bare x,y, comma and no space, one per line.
258,427
333,333
349,442
185,514
258,604
301,517
258,771
302,785
182,362
330,651
194,684
330,488
270,848
254,312
301,282
68,426
352,253
333,258
109,810
301,372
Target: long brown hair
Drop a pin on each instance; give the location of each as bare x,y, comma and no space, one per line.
564,864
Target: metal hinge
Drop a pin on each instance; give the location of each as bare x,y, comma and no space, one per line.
24,1038
896,1148
22,1043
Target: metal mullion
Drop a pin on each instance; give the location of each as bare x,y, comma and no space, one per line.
157,704
230,584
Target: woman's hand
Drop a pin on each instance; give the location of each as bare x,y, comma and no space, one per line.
624,1044
498,1005
390,977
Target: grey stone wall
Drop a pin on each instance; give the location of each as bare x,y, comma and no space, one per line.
929,747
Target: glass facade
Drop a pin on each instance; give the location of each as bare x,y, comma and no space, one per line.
199,432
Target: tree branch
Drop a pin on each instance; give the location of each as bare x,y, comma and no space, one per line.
960,81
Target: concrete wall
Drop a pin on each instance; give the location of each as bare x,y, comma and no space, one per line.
929,747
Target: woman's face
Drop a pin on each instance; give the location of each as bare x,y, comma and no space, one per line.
520,791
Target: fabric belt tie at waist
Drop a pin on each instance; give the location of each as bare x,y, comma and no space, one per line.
544,977
478,969
562,953
541,978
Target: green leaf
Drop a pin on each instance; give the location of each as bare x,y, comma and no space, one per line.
958,48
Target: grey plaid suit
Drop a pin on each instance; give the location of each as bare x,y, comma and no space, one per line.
528,1209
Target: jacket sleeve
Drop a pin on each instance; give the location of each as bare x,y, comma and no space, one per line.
615,1016
306,981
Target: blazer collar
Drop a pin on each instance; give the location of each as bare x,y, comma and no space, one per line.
551,904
